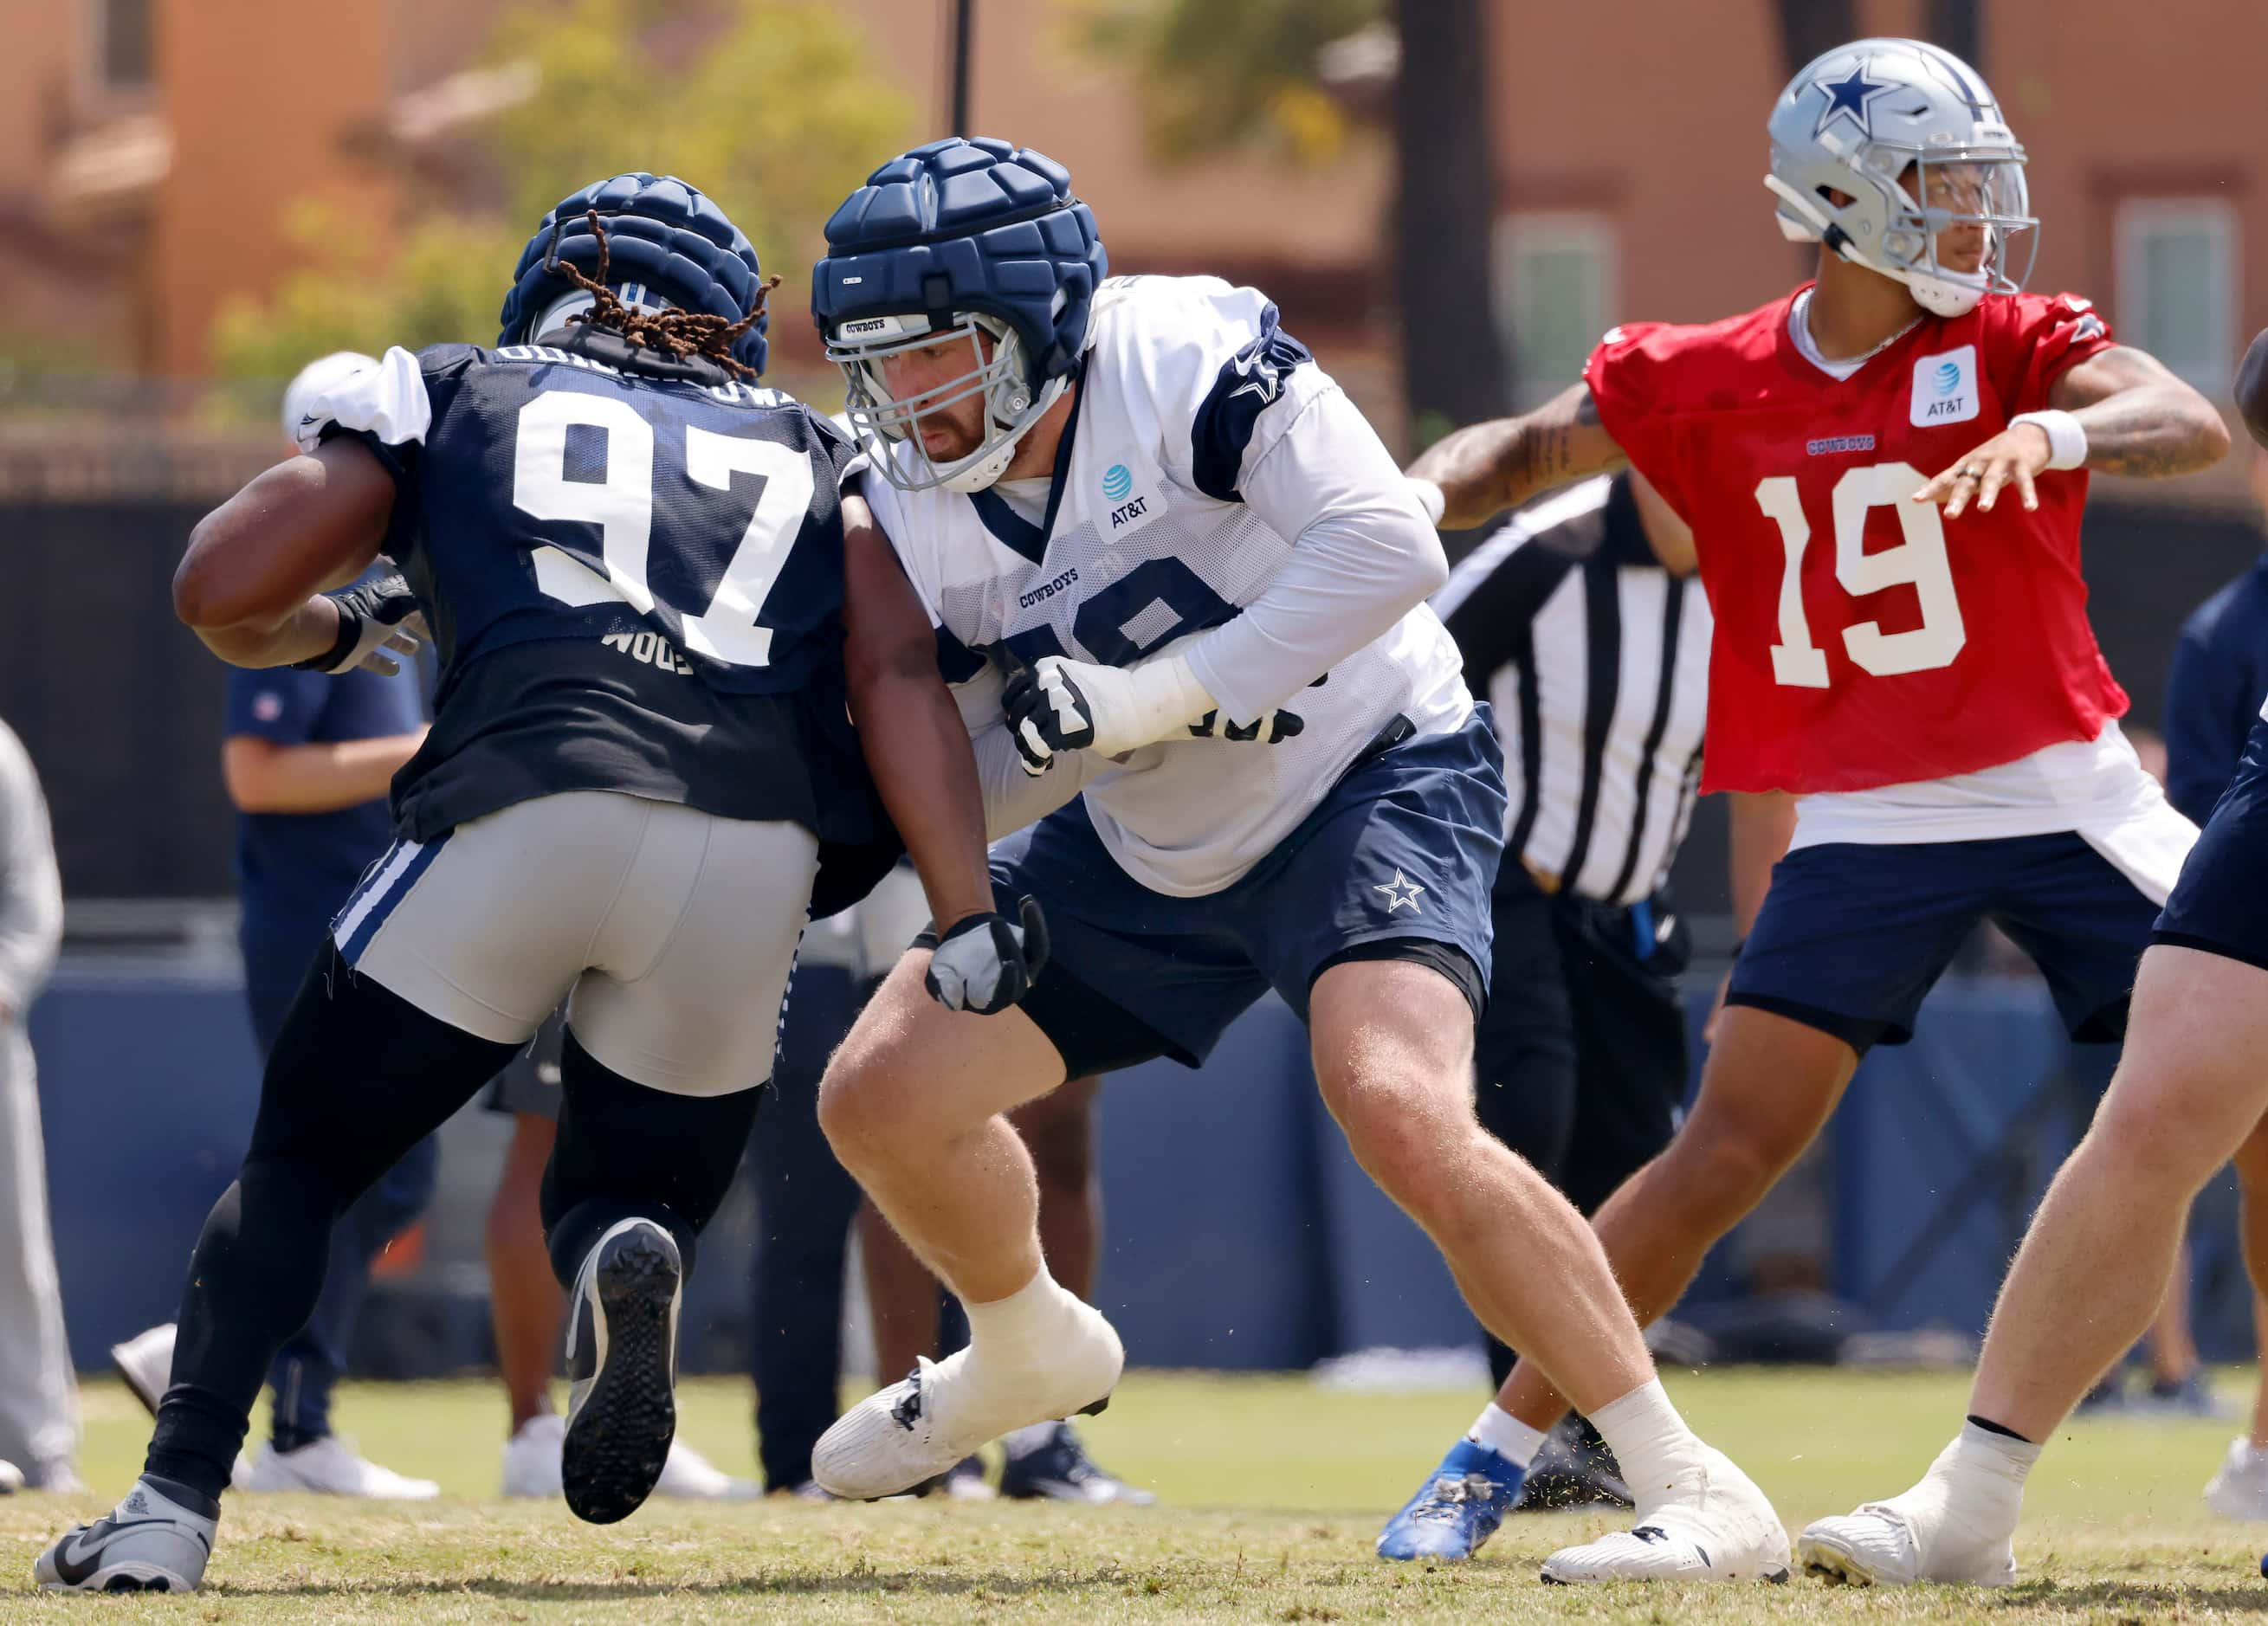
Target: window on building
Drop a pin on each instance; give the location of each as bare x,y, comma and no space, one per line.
2177,279
1555,295
122,44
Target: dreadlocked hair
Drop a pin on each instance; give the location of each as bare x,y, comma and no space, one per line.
675,334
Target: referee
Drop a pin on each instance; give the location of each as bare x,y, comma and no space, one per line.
1582,623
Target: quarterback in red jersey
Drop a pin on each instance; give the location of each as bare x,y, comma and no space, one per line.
1882,474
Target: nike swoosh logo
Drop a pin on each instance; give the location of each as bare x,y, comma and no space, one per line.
73,1569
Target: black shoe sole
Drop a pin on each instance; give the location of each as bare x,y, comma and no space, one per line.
617,1443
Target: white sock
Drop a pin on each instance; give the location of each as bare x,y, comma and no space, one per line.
1983,1470
1506,1435
1021,1329
1033,1437
1650,1441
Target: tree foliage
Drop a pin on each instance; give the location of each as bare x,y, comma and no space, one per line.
770,107
1218,74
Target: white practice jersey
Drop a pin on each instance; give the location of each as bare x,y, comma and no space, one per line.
1210,469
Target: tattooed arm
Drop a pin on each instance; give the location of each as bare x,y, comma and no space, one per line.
2252,388
1491,467
2139,418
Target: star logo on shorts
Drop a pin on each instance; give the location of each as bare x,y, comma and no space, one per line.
1400,893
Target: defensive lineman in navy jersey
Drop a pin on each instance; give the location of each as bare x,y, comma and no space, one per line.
1171,566
652,613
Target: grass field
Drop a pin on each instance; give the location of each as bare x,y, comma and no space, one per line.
1271,1491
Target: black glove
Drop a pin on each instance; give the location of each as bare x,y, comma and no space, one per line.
1046,713
984,965
378,620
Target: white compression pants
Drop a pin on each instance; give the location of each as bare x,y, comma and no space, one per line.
674,929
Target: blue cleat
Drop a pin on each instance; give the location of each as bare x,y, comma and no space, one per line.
1458,1508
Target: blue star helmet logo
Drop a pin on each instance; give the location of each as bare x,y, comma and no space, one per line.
1848,97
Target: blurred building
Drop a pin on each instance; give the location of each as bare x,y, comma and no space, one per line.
151,150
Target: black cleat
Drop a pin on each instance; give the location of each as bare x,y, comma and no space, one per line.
1575,1469
621,1359
1061,1471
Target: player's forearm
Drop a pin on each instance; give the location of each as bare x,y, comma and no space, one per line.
320,776
1363,554
1014,798
919,755
302,634
1484,469
2152,433
1348,580
2139,418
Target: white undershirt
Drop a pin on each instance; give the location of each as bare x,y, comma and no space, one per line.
1798,333
1027,499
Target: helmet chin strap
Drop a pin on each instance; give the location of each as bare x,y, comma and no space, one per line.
987,469
1937,295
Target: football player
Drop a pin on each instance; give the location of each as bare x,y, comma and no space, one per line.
1883,473
1181,572
2188,1091
651,612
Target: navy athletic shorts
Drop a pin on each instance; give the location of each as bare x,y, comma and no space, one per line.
1395,863
1852,936
2220,904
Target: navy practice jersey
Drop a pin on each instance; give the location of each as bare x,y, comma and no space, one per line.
633,571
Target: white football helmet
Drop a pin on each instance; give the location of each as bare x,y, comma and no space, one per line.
1913,136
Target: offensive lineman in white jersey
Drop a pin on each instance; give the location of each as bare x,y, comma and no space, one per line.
1204,581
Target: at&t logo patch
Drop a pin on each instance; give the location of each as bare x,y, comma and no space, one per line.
1944,387
1117,480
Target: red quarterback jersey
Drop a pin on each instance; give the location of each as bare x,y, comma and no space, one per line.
1862,639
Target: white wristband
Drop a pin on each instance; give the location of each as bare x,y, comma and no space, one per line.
1431,499
2066,437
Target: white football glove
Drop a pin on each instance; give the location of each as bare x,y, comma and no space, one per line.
1059,704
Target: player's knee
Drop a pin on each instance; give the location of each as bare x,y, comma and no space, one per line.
2145,1142
865,1110
1408,1132
1730,1161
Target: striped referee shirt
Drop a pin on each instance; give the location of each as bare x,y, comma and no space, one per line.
1596,661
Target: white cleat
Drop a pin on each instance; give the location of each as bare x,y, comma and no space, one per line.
330,1466
1886,1544
12,1479
2240,1488
146,1362
918,1429
148,1542
1715,1527
689,1477
531,1456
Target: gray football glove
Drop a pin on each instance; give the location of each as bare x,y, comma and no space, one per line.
380,627
984,965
